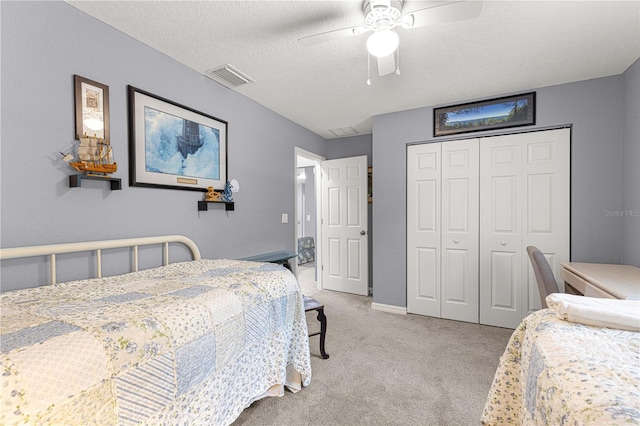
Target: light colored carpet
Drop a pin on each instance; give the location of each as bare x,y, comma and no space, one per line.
387,369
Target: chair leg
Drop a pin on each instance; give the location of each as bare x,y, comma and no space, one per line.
323,331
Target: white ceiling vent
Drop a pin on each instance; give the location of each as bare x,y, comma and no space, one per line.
229,76
344,131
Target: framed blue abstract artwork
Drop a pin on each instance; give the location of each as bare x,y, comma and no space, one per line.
174,146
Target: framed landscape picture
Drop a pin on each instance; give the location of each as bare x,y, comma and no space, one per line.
499,113
174,146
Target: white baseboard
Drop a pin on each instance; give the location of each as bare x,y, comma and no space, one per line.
392,309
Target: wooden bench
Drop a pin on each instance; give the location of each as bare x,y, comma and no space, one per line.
311,304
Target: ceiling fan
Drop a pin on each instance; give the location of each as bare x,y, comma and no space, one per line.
381,17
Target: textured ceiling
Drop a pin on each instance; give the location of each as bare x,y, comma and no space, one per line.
512,46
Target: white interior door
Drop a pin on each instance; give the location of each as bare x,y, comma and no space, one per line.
423,229
524,186
344,225
460,221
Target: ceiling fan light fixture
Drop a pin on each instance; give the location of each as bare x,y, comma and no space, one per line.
383,43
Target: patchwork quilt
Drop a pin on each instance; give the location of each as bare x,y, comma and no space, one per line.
187,343
555,372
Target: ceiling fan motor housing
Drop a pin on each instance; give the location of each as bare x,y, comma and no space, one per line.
382,14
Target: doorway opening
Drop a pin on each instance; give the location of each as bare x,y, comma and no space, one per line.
307,220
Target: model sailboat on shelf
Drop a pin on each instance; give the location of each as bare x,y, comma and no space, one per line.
94,157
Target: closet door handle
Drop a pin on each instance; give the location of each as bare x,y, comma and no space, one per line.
503,243
456,241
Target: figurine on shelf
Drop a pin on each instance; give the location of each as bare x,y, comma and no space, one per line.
212,195
230,188
227,195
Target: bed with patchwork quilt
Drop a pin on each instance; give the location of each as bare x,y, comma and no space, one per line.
556,371
186,343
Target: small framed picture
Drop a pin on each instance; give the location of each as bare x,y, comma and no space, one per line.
92,108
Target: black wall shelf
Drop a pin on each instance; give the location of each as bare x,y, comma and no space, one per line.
75,181
203,206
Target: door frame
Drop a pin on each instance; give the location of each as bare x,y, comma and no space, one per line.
345,233
317,167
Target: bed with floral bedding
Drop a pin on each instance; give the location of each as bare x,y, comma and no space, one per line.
558,372
186,343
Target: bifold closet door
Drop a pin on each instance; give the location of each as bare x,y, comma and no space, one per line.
423,229
442,230
524,187
547,220
459,237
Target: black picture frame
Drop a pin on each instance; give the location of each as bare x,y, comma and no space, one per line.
173,146
497,113
92,108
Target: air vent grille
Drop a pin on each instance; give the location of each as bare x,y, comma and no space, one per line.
229,76
344,131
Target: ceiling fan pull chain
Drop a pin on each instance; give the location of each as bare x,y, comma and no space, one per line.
398,61
368,69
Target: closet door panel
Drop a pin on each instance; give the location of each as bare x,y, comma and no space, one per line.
427,274
423,229
500,231
460,191
525,201
546,225
457,290
504,281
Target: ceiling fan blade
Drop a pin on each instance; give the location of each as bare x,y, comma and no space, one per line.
387,64
331,35
442,14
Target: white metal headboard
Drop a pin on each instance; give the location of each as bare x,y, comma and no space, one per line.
97,246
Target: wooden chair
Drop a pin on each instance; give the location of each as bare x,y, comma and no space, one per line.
544,275
311,304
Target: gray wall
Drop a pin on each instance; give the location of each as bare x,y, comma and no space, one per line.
631,168
43,45
594,108
353,146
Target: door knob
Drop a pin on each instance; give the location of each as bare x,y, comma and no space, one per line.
363,232
503,243
456,241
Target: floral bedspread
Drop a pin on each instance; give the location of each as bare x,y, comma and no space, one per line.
188,343
555,372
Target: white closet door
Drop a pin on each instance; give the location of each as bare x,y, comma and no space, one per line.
524,187
500,231
423,229
546,220
459,238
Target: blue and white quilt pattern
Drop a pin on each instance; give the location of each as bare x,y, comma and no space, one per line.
556,372
189,343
